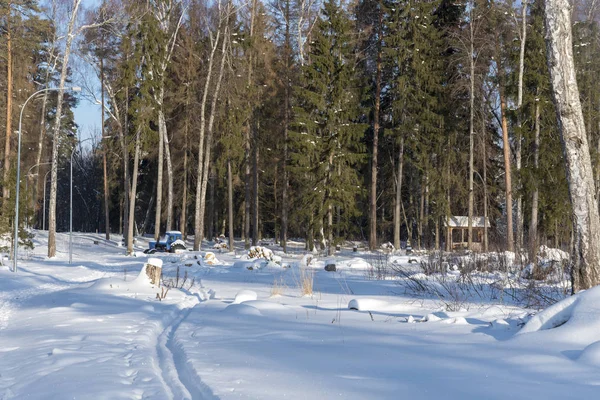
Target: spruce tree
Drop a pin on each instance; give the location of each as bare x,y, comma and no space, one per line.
326,138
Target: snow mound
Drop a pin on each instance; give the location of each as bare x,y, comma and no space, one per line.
575,319
210,259
431,318
367,304
245,295
266,306
455,321
591,354
242,309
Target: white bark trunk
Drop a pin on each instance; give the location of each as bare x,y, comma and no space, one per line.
471,129
197,216
203,179
133,193
519,145
54,173
586,229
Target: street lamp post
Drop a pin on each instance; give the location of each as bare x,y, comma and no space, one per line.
16,233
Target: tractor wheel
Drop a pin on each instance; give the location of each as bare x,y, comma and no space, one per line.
177,246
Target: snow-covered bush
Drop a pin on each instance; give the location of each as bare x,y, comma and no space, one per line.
220,246
389,247
260,252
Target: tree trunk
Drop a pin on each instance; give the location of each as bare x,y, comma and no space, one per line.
471,129
183,216
159,183
230,203
330,246
519,144
198,217
533,225
248,137
586,229
203,178
57,126
485,190
148,210
123,129
132,195
255,216
286,123
104,156
211,204
376,109
398,202
507,172
9,96
162,124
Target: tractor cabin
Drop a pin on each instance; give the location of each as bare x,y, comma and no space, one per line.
458,233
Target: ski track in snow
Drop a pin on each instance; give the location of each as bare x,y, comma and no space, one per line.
180,378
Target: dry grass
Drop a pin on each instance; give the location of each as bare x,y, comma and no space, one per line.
278,287
306,283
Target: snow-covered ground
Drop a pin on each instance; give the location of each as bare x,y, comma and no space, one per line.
241,329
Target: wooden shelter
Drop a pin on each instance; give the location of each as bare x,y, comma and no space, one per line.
457,236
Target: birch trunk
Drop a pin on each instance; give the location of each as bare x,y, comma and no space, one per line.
203,178
132,195
586,221
60,95
519,145
471,130
104,157
122,129
159,183
533,225
162,124
198,218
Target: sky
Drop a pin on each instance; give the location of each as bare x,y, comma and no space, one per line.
88,118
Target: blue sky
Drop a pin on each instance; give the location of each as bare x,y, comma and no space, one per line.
87,116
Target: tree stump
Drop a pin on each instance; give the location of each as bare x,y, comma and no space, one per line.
154,270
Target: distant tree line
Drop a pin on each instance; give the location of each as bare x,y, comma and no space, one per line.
370,120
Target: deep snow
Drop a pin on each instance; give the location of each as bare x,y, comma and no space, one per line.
96,330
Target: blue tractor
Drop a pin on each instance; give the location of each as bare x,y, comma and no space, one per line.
172,242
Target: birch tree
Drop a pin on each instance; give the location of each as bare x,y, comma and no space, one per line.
585,260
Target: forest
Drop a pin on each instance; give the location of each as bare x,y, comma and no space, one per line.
369,120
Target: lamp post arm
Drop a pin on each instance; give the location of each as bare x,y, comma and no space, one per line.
16,233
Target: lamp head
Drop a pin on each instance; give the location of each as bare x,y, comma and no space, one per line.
75,89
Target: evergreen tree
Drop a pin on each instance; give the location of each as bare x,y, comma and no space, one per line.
327,148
